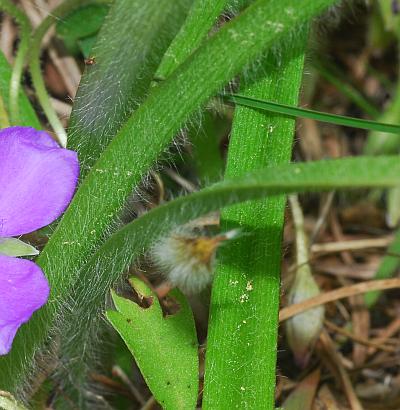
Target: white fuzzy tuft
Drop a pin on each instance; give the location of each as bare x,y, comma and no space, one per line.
187,260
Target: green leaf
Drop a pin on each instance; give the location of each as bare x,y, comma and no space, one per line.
380,143
202,15
128,51
258,139
15,247
27,115
83,22
293,111
165,349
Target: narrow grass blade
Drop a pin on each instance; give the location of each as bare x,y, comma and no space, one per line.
293,111
15,80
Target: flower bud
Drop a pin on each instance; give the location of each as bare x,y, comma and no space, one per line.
303,329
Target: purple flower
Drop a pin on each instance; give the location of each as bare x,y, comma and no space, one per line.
37,182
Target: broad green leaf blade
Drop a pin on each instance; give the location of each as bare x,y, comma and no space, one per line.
165,349
202,15
293,111
258,139
27,115
130,46
15,247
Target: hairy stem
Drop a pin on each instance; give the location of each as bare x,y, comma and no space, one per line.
18,67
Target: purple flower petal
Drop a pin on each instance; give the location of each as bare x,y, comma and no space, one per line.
37,180
23,290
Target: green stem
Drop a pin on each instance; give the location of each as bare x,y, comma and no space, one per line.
242,341
18,67
34,63
302,253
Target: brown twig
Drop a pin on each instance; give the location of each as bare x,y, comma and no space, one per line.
343,292
184,183
391,330
334,247
358,339
359,313
333,358
118,372
149,404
